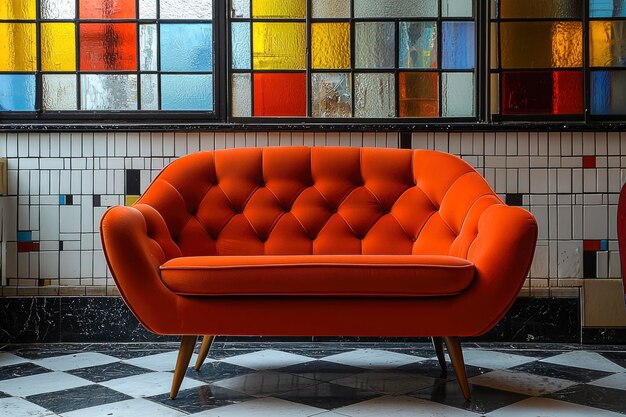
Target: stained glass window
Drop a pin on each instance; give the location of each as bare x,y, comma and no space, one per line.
106,55
340,59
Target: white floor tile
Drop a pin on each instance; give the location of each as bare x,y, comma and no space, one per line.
7,359
263,407
494,360
17,407
521,382
130,408
586,360
162,361
146,385
373,359
264,384
546,407
617,381
38,384
75,361
386,382
402,406
267,359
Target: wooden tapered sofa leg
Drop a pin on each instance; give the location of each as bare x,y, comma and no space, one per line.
456,356
184,356
438,345
207,341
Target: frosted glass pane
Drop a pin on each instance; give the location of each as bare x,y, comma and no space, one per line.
186,47
17,92
331,8
332,95
279,45
59,92
18,9
607,8
457,8
58,51
147,9
418,45
18,51
457,90
563,9
189,9
148,47
240,37
186,92
374,44
108,92
607,46
458,45
330,45
240,8
395,8
149,92
374,95
58,9
278,9
241,99
607,92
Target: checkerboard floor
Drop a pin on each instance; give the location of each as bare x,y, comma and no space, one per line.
311,379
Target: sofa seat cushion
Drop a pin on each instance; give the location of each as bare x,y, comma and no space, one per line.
319,275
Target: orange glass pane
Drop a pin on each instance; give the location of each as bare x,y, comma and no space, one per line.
107,9
108,47
280,94
419,94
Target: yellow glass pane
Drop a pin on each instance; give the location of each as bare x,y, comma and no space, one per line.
279,45
541,44
607,43
330,45
18,51
18,9
58,51
279,9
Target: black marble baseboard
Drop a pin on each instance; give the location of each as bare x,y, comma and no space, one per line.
107,319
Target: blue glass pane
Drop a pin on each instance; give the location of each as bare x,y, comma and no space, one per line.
17,92
241,45
458,45
418,45
187,92
187,47
607,8
607,89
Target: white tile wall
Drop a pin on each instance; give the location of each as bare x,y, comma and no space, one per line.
571,203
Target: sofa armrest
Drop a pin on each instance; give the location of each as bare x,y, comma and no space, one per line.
134,257
502,253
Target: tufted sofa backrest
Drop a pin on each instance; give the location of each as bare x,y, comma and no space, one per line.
322,200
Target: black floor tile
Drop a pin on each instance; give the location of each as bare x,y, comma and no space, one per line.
217,371
593,396
328,396
109,371
77,398
561,371
202,398
617,357
321,370
484,399
22,369
431,368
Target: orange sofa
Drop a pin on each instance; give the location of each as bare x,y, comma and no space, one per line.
294,241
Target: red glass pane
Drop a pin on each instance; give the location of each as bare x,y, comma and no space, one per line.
280,94
107,9
542,92
108,47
